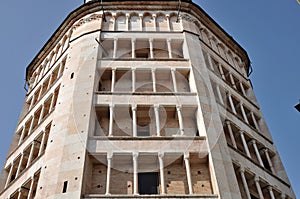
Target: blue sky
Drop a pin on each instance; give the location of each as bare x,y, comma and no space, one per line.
268,30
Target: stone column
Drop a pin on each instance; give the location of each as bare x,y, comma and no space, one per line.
219,94
151,48
282,196
243,89
134,119
231,134
111,119
133,79
22,135
173,73
20,165
109,159
232,81
244,113
52,105
271,192
20,194
221,71
168,22
9,174
115,47
135,173
254,120
42,144
231,103
157,122
245,184
31,125
253,142
113,79
31,188
161,172
210,62
141,21
133,48
169,48
245,144
31,154
188,172
41,114
180,119
269,160
154,22
153,79
127,21
257,184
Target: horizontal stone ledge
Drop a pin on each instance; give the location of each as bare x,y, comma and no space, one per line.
94,196
161,138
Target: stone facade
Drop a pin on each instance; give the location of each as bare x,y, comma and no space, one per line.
131,100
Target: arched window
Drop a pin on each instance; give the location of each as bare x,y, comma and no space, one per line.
148,23
108,22
161,23
134,22
121,22
174,24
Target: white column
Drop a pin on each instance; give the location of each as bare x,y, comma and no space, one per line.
109,159
135,173
271,192
282,196
154,21
244,113
32,102
232,81
134,124
161,172
254,120
31,188
31,125
115,47
245,144
20,165
231,134
210,62
253,142
111,119
127,21
9,174
42,146
245,184
151,48
169,48
231,103
173,73
219,94
141,22
269,160
31,154
52,105
221,71
168,22
113,79
41,114
59,70
153,79
22,135
180,120
20,190
257,184
157,122
243,89
188,172
133,48
133,79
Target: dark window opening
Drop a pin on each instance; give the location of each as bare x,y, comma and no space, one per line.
72,75
65,186
148,183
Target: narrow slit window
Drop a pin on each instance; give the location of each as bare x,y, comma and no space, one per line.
65,187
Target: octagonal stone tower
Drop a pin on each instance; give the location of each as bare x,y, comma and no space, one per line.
141,99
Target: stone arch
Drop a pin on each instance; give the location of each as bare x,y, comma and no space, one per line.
120,21
108,22
161,22
134,22
175,25
148,22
